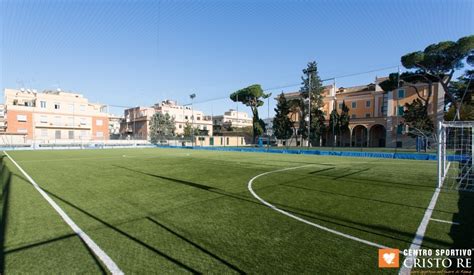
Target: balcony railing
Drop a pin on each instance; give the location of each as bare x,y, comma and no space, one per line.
62,125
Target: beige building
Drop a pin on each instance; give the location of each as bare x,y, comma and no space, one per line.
183,115
232,119
375,116
50,116
136,123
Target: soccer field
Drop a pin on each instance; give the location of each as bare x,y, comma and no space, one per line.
181,211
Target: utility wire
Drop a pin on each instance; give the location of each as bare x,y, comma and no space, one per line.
299,84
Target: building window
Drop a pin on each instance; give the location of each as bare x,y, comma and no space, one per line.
185,117
367,115
43,119
21,118
99,122
22,131
71,107
44,132
57,134
400,129
401,93
354,116
82,108
198,118
83,121
56,106
340,106
71,134
57,120
99,134
367,103
70,121
400,110
354,105
43,104
227,141
180,126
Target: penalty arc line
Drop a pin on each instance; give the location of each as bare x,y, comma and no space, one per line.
108,262
249,186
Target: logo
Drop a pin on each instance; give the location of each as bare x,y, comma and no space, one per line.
389,258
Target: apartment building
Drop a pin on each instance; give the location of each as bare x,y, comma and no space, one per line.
232,119
183,115
114,126
375,116
3,124
136,123
52,116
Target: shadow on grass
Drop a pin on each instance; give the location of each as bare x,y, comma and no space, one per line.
362,198
28,246
362,227
125,234
196,246
463,234
5,181
352,173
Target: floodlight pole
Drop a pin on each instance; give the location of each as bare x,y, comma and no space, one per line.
397,110
309,71
237,121
192,96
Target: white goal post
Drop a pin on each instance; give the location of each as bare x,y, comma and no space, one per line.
455,155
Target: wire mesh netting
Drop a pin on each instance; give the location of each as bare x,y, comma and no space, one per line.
455,155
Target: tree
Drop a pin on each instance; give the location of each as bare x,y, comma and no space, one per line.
282,126
334,123
188,130
252,97
318,126
440,61
344,120
417,119
161,127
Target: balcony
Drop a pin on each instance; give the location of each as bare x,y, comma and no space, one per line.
62,125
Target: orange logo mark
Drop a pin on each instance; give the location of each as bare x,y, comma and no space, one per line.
389,258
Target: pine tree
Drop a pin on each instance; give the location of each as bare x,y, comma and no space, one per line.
282,123
318,126
161,127
344,119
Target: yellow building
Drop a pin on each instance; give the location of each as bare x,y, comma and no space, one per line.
375,116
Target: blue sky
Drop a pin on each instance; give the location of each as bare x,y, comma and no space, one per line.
134,53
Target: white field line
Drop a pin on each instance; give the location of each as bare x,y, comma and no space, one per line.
301,219
420,233
443,221
109,263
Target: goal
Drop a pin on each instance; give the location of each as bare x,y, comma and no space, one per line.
455,155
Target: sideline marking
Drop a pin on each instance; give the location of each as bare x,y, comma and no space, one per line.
301,219
109,263
420,233
443,221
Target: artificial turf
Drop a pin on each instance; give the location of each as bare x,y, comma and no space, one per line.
181,211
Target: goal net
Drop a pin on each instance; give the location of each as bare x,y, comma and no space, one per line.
455,155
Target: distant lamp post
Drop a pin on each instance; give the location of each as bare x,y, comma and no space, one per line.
309,71
192,96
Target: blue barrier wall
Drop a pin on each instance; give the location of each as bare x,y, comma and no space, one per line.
324,153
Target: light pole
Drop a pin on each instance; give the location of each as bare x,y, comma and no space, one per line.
309,71
192,96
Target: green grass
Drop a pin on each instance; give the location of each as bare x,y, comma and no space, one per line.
180,211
